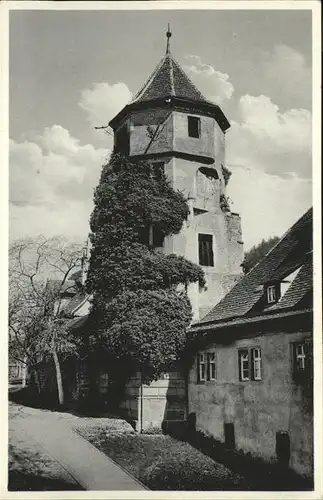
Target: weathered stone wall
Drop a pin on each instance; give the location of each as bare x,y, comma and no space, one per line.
258,409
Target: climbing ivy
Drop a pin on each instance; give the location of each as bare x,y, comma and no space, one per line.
226,174
138,313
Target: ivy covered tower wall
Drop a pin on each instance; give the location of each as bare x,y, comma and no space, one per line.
170,123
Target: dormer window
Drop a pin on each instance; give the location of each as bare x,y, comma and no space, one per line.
275,291
194,126
272,294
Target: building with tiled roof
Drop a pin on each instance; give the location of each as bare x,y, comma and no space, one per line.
251,383
247,298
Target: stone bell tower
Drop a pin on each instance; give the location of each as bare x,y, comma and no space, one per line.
171,124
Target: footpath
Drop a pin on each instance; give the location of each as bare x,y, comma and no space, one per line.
52,433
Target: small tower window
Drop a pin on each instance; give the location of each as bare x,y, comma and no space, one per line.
206,250
194,126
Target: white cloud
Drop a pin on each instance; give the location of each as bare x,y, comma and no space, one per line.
269,154
270,140
284,72
268,204
51,183
103,101
215,85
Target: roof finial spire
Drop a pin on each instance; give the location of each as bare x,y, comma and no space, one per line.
168,35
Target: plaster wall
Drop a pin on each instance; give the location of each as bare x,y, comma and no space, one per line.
225,228
203,145
151,131
171,129
258,409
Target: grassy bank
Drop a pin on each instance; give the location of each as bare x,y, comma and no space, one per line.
163,463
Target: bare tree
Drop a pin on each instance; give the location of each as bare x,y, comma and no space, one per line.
39,271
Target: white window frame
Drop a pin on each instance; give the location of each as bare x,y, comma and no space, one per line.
244,358
201,364
271,294
211,361
257,363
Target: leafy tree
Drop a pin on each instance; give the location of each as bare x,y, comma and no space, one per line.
39,269
257,252
138,312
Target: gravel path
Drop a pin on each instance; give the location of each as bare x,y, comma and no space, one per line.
44,444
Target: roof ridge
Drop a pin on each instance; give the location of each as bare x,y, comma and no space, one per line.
285,234
171,73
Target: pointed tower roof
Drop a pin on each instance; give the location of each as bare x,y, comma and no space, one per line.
168,80
169,85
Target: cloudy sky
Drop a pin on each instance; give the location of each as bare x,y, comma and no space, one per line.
73,70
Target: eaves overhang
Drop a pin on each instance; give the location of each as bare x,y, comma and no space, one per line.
174,103
247,321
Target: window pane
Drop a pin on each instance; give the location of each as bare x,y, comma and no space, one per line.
212,370
271,294
300,356
300,350
211,374
243,355
201,367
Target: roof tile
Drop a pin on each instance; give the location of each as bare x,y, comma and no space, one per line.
168,79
